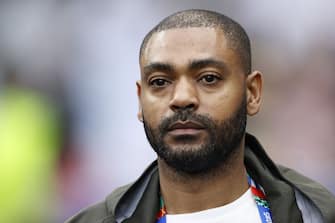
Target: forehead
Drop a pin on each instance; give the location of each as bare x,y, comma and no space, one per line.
181,45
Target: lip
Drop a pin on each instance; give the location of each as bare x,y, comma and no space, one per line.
187,127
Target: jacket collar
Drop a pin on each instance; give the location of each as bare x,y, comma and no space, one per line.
279,193
139,202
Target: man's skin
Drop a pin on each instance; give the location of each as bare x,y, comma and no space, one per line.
203,73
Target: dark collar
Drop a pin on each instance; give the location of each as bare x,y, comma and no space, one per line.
279,193
139,203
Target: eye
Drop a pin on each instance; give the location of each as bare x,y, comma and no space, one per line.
158,82
209,79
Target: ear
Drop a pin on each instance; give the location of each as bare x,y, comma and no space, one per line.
139,91
254,92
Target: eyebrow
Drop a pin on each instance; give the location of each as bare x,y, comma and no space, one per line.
202,63
193,65
158,66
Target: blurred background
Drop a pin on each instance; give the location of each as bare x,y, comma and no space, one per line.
68,128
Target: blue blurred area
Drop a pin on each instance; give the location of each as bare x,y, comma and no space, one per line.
80,60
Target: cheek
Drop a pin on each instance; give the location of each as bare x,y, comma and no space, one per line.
153,109
217,106
222,104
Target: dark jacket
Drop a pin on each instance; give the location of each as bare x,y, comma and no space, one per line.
293,198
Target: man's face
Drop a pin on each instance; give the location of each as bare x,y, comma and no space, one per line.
192,98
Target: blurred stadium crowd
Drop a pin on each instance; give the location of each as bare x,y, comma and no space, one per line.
68,127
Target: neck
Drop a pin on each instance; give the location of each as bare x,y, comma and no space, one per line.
184,193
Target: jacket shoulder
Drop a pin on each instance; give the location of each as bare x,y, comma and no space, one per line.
94,214
113,199
101,212
306,185
323,199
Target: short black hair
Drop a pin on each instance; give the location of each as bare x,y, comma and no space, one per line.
234,32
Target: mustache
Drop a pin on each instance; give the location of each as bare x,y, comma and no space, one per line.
185,115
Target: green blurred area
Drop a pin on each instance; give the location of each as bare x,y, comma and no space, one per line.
29,146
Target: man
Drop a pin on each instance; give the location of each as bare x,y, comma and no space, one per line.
195,92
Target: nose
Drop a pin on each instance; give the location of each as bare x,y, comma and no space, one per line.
185,96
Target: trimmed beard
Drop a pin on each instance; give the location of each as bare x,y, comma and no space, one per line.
223,140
